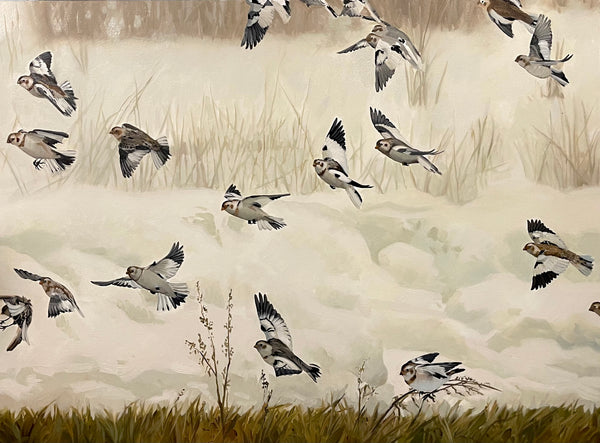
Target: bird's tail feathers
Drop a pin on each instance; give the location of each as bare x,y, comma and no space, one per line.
455,371
70,98
268,223
161,155
313,371
560,77
355,197
566,58
584,264
428,165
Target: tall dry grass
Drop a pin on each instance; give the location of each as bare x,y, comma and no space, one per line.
566,153
220,18
334,421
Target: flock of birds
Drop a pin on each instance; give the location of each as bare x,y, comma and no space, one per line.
391,46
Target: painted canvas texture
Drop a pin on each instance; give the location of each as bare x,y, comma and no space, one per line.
384,212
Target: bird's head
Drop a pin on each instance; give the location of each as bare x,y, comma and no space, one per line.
134,272
45,283
384,145
408,371
15,138
532,248
26,82
520,60
595,307
372,39
319,165
117,132
228,205
263,348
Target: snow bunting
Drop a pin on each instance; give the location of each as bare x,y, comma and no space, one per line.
154,278
41,145
399,42
424,376
595,307
250,208
504,12
276,350
354,8
320,3
387,57
41,83
260,17
18,309
394,146
538,62
552,255
61,299
134,144
333,167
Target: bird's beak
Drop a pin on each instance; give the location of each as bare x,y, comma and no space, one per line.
314,163
525,248
377,147
8,139
591,309
256,346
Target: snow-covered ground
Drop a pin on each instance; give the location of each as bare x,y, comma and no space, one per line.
407,274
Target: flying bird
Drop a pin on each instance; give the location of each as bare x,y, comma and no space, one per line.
394,146
538,62
504,12
595,307
41,145
134,144
354,8
41,83
320,3
61,299
250,208
399,42
552,255
424,376
260,17
154,278
333,167
19,310
276,350
387,56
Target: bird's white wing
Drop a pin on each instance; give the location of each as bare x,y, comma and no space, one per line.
261,200
540,233
385,127
124,282
55,136
335,145
14,306
356,46
232,193
271,323
424,359
546,269
60,104
541,40
260,18
385,65
168,266
41,65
